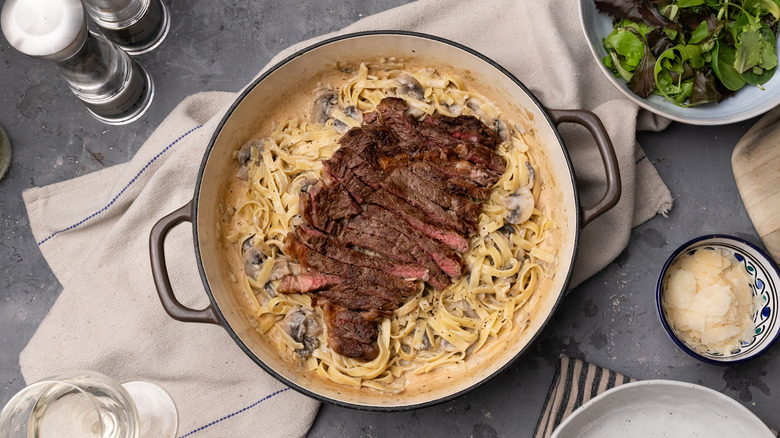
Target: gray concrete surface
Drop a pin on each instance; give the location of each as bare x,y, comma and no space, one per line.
609,320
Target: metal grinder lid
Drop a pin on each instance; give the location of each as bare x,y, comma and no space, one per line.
49,29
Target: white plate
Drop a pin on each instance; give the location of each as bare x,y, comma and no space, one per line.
661,408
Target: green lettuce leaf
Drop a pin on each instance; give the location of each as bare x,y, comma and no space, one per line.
723,65
749,49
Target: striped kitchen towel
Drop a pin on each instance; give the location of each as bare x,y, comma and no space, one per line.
575,383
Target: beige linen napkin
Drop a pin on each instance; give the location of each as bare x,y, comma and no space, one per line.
93,230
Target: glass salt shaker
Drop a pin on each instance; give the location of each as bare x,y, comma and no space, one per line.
115,88
137,26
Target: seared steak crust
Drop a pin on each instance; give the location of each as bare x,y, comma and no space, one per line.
350,333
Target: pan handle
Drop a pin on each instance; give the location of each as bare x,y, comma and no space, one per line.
175,309
608,157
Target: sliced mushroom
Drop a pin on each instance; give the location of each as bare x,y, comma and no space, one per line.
270,289
245,153
243,173
253,258
284,267
447,346
473,104
466,308
409,86
340,126
531,175
353,112
425,344
502,130
303,327
476,107
454,109
521,203
324,103
281,268
294,324
303,182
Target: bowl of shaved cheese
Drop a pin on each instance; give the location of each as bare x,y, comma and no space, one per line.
717,298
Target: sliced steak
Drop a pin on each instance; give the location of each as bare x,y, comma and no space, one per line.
371,227
334,249
467,128
418,220
358,296
368,138
480,154
363,165
370,118
358,232
455,183
359,190
466,136
475,141
455,167
357,274
397,202
430,210
383,239
351,334
327,204
308,282
435,138
447,259
412,178
402,125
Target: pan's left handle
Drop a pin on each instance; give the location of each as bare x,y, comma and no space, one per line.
175,309
608,157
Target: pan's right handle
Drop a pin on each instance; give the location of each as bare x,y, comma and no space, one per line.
608,157
175,309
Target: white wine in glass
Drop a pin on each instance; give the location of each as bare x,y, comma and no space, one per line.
87,404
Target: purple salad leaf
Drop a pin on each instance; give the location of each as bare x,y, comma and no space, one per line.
658,41
642,83
705,88
643,11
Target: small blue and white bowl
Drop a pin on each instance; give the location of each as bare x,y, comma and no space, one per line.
765,284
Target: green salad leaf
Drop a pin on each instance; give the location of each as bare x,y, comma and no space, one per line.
692,52
750,48
723,66
643,80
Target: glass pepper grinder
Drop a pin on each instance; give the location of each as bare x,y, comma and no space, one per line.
137,26
113,86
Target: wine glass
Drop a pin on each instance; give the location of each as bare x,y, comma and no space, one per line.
88,404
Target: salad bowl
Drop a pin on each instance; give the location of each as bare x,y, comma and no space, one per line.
746,103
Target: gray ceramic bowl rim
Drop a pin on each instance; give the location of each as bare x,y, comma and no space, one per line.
769,264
